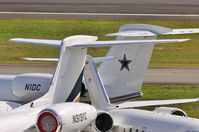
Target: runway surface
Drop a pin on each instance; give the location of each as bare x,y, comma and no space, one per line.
186,10
153,76
172,76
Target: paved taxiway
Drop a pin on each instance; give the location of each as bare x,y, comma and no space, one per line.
154,75
104,9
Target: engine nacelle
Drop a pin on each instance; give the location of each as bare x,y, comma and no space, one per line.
103,122
69,117
28,87
6,106
171,111
24,88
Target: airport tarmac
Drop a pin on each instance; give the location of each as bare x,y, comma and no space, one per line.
186,10
153,76
173,76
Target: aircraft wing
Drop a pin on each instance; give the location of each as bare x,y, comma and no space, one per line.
135,104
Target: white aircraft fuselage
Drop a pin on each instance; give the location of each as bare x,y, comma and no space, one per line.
149,121
24,88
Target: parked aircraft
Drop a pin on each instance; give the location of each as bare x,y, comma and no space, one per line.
19,89
119,118
52,112
49,112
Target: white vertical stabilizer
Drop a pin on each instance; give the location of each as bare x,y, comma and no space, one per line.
96,89
123,77
69,68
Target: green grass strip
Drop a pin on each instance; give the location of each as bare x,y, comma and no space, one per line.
165,92
172,55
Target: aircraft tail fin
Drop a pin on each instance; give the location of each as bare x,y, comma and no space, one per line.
67,80
100,99
124,77
68,75
95,87
69,72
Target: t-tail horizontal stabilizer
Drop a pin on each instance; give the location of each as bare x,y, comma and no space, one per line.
42,59
95,43
56,43
96,60
146,30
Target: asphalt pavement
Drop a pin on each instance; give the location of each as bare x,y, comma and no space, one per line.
128,9
153,75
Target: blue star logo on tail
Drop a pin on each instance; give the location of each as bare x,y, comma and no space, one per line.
125,63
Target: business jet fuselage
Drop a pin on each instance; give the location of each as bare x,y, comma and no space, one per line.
25,87
17,90
150,121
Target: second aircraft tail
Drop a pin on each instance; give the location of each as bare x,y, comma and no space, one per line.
124,76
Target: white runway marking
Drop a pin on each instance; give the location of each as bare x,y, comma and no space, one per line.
101,14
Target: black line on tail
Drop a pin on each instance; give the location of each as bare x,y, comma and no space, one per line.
77,88
126,97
